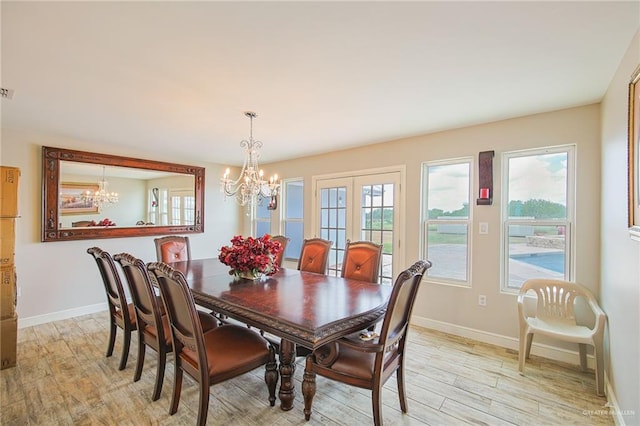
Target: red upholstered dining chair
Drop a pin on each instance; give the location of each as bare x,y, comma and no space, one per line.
172,248
361,261
209,358
121,313
152,322
368,364
283,242
314,255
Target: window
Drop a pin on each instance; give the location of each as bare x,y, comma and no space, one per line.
538,214
183,207
158,206
447,219
292,217
171,206
262,218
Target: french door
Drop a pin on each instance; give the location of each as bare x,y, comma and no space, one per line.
364,207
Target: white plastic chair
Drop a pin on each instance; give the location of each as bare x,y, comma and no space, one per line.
555,317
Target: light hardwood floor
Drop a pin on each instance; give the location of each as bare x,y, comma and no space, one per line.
63,377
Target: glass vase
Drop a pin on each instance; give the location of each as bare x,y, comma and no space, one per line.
249,275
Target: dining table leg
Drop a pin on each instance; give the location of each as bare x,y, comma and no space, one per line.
308,387
287,368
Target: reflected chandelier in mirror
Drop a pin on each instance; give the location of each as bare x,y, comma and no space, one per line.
154,198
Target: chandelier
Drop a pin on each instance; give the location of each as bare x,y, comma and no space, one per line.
251,188
102,196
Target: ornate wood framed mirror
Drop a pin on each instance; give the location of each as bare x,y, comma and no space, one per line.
86,195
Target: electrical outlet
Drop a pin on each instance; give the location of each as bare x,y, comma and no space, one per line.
482,300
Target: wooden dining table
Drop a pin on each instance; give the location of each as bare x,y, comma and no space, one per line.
301,308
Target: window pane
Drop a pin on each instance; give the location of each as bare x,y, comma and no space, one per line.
295,232
539,215
538,186
292,224
262,212
263,228
295,200
448,190
447,250
536,251
448,220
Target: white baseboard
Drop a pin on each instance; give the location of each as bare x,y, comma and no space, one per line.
612,404
60,315
559,354
545,351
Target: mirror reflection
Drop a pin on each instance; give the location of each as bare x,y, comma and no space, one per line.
88,195
97,195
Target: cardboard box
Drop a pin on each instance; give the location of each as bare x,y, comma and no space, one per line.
9,191
8,342
7,241
7,292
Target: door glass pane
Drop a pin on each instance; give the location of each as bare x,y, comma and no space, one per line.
324,198
376,224
359,208
333,219
324,218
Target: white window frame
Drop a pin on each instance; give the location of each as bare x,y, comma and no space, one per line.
283,211
568,222
426,221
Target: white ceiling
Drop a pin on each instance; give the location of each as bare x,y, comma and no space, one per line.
176,77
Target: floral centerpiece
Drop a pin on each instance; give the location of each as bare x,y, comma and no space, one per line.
251,257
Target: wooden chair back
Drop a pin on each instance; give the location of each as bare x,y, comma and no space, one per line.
172,248
283,242
149,314
362,261
399,309
314,255
121,313
110,278
369,364
220,354
148,306
81,223
186,330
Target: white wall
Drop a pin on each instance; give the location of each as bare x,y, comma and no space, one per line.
620,277
59,279
455,305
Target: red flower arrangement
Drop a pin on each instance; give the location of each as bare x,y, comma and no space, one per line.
251,256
